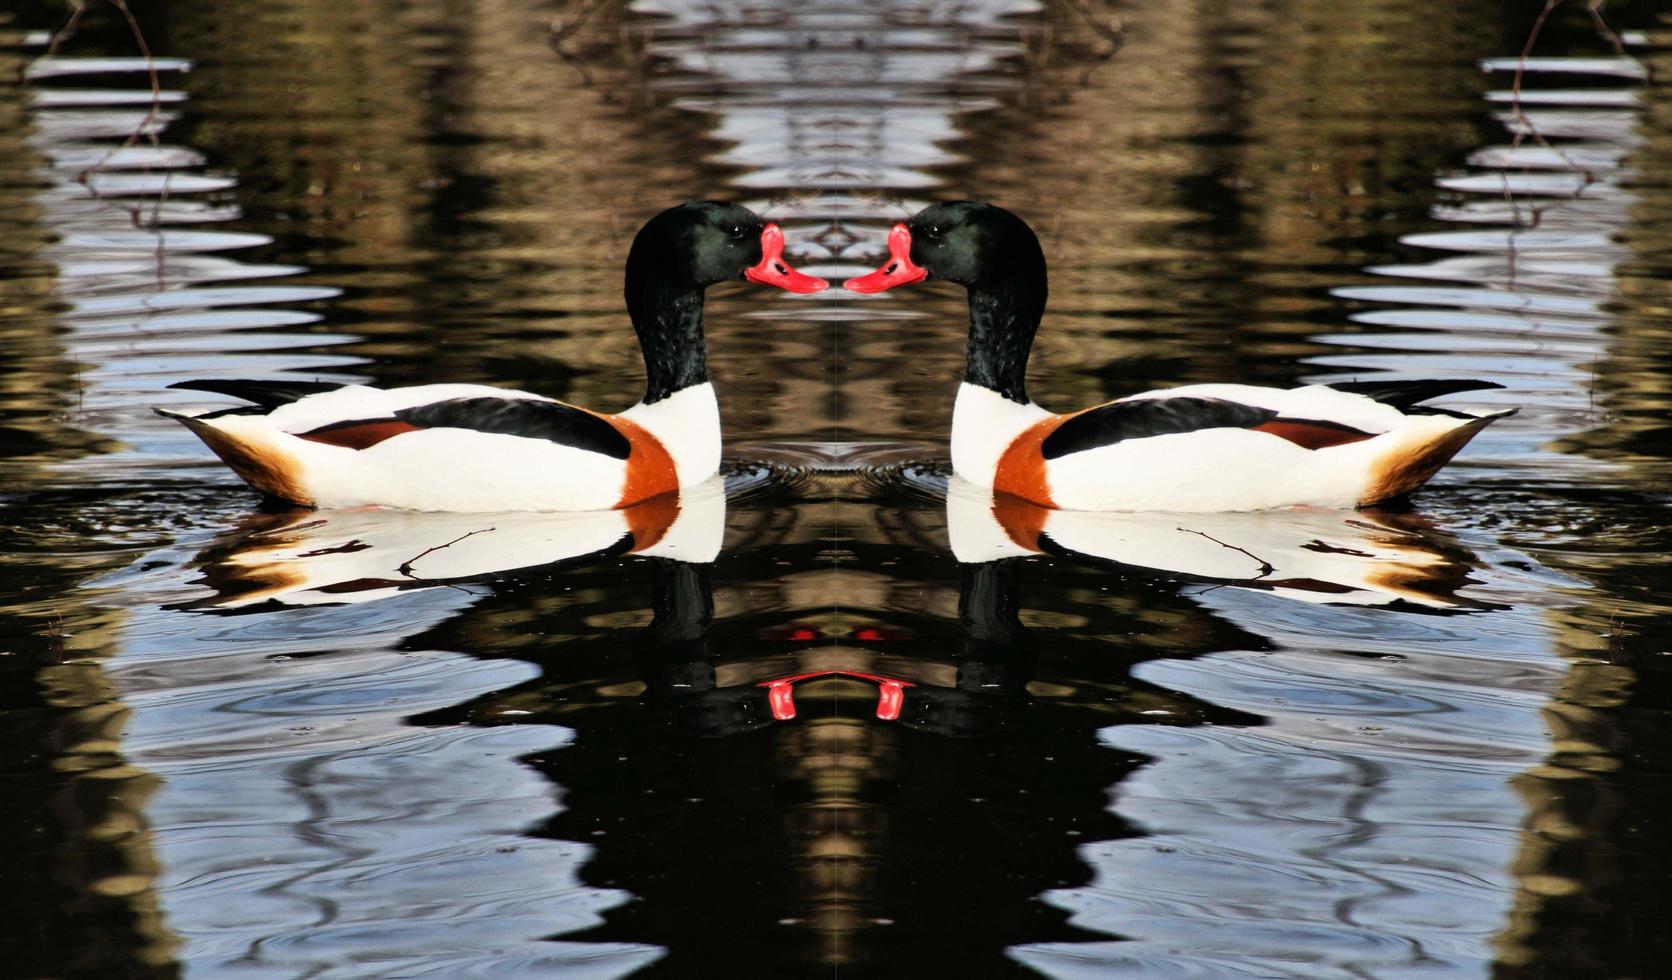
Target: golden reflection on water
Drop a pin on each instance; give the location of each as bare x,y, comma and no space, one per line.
38,381
427,126
90,831
1581,803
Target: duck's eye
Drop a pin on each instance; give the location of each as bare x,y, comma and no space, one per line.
933,231
738,231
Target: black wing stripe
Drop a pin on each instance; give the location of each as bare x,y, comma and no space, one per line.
529,418
1141,418
1404,394
234,410
267,394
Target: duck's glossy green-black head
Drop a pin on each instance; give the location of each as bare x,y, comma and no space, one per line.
705,242
997,256
971,243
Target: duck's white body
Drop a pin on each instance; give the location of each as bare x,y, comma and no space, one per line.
287,452
996,443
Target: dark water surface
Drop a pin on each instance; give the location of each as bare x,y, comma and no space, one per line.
1316,744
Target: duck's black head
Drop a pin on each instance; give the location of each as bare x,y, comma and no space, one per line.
696,245
997,257
678,254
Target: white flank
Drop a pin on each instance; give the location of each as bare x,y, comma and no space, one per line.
984,424
688,424
1209,470
447,469
441,469
458,469
1231,470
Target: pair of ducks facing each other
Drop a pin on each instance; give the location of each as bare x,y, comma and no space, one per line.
1207,447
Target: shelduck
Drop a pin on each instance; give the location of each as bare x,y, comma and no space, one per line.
463,447
1202,447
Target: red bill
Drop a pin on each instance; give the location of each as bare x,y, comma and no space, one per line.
772,271
898,271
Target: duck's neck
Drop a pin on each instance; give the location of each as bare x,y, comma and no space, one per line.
1003,319
668,320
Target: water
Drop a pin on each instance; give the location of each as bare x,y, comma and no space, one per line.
795,735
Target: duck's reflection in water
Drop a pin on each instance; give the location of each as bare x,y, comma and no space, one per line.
1360,558
826,784
308,558
827,771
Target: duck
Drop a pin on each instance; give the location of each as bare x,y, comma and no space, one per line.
1193,448
476,448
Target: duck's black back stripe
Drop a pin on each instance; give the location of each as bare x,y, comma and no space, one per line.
1404,395
529,418
1141,418
267,394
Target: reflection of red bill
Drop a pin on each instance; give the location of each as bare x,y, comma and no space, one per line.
897,271
771,270
875,634
891,693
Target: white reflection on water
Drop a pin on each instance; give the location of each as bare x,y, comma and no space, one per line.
303,823
1326,557
309,558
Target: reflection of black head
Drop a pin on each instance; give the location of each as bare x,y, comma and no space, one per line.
995,663
678,667
997,256
675,662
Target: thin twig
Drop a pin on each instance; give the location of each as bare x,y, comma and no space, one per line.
1613,37
1266,567
66,30
146,126
1525,126
406,566
1110,27
562,28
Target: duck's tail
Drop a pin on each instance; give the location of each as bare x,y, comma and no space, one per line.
1422,447
250,447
